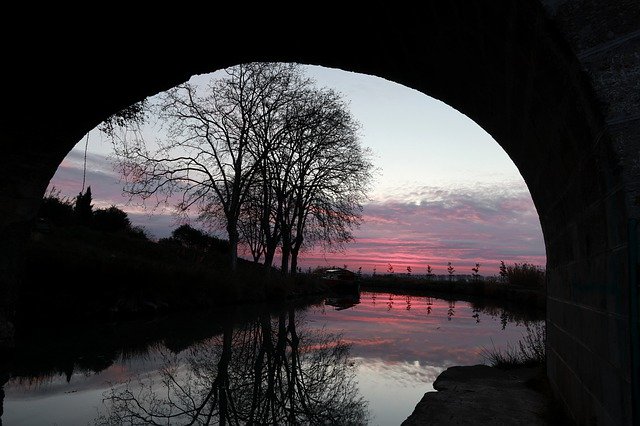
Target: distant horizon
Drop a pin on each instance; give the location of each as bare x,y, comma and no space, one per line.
447,192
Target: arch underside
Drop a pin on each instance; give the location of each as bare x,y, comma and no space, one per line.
506,65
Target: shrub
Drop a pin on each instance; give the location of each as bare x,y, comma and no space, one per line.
111,220
526,275
450,269
529,351
138,232
55,209
219,245
196,240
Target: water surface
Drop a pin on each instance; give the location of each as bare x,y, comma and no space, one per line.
343,360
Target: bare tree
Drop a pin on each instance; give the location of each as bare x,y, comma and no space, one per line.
329,174
252,232
271,136
262,153
211,157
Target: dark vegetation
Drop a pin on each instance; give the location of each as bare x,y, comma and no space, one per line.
261,153
43,351
527,352
521,282
84,263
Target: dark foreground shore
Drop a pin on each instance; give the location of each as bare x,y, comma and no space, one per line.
483,395
76,273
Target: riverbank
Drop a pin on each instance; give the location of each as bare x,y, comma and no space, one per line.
83,274
490,289
480,394
79,273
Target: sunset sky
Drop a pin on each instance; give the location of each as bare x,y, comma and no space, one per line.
444,190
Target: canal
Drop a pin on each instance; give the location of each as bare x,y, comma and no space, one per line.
341,360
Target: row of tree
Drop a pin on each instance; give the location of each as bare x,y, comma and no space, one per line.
526,274
261,152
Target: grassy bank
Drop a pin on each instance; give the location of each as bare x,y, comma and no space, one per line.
78,272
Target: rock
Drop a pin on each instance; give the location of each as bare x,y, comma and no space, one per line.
481,395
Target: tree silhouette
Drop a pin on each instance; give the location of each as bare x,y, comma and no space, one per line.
83,207
210,159
111,219
450,270
475,270
325,172
503,271
262,153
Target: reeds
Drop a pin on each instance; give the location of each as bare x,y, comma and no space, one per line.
527,352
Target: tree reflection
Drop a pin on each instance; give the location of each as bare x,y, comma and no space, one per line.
269,371
452,309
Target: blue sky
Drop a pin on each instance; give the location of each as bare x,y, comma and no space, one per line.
444,191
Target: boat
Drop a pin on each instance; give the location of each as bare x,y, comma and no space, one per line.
341,280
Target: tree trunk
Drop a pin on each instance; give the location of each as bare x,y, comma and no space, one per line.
268,258
264,348
295,250
294,261
284,266
223,374
232,230
293,376
286,250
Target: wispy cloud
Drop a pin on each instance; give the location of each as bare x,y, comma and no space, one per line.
411,225
423,225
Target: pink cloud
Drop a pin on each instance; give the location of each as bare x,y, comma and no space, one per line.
482,225
420,226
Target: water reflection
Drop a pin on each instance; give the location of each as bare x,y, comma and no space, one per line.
343,301
270,371
319,363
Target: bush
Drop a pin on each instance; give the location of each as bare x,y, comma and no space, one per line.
219,245
56,210
526,275
111,220
139,233
196,240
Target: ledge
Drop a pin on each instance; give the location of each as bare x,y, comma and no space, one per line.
482,395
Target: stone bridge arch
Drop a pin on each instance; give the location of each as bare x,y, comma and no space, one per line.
556,83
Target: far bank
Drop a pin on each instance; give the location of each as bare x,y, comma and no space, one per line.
484,288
